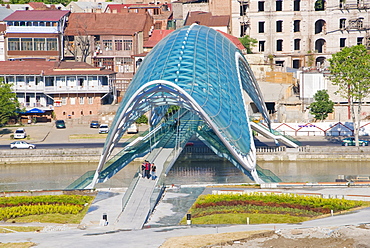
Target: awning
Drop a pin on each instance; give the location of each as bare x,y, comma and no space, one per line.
35,111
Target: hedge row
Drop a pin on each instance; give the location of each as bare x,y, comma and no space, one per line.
19,211
44,199
275,200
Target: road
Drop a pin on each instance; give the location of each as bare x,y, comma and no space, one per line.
46,136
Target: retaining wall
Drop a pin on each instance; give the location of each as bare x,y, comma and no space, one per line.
282,153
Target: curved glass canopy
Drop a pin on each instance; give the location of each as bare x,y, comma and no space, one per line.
199,69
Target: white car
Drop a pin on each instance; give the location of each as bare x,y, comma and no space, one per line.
103,128
20,133
22,145
133,129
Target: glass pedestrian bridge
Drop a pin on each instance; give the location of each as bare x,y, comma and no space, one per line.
202,72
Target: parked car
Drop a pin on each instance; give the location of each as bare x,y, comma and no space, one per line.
133,129
103,128
20,133
350,141
94,124
22,145
60,124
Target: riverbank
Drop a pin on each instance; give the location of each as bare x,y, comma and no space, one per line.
264,154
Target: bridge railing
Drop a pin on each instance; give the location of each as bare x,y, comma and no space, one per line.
130,189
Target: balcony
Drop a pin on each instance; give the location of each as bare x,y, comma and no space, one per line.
33,29
23,88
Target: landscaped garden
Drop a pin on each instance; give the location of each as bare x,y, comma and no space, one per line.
259,208
47,208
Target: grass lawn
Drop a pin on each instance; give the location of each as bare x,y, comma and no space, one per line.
260,208
17,245
11,229
242,219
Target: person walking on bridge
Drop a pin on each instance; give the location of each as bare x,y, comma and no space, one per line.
147,170
154,168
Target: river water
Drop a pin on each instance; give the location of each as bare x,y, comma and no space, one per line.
54,176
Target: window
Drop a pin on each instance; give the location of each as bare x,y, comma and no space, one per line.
64,100
359,40
342,42
261,27
90,100
243,29
13,44
107,45
296,63
243,9
39,44
261,6
118,45
297,5
72,100
51,44
279,45
320,5
279,5
297,44
261,46
279,26
127,45
342,23
297,24
82,100
279,63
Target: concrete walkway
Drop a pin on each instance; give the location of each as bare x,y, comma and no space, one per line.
92,234
138,207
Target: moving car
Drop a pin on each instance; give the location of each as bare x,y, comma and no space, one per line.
60,124
350,141
22,145
20,133
103,128
133,129
94,124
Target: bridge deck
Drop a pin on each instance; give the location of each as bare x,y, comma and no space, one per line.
137,209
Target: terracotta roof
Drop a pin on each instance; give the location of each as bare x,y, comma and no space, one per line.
234,40
207,19
157,35
105,23
37,15
119,7
50,68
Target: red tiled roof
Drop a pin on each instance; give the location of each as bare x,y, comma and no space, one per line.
207,19
119,7
50,68
234,40
157,36
105,23
37,5
36,15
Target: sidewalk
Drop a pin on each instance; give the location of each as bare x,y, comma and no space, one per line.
91,234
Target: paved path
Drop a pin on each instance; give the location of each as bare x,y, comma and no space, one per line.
137,209
95,235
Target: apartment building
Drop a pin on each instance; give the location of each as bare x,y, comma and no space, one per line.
70,89
35,34
108,40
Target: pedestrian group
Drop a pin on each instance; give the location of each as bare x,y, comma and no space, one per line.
148,170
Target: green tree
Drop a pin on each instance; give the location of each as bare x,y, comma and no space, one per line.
8,102
142,120
248,43
350,71
322,105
